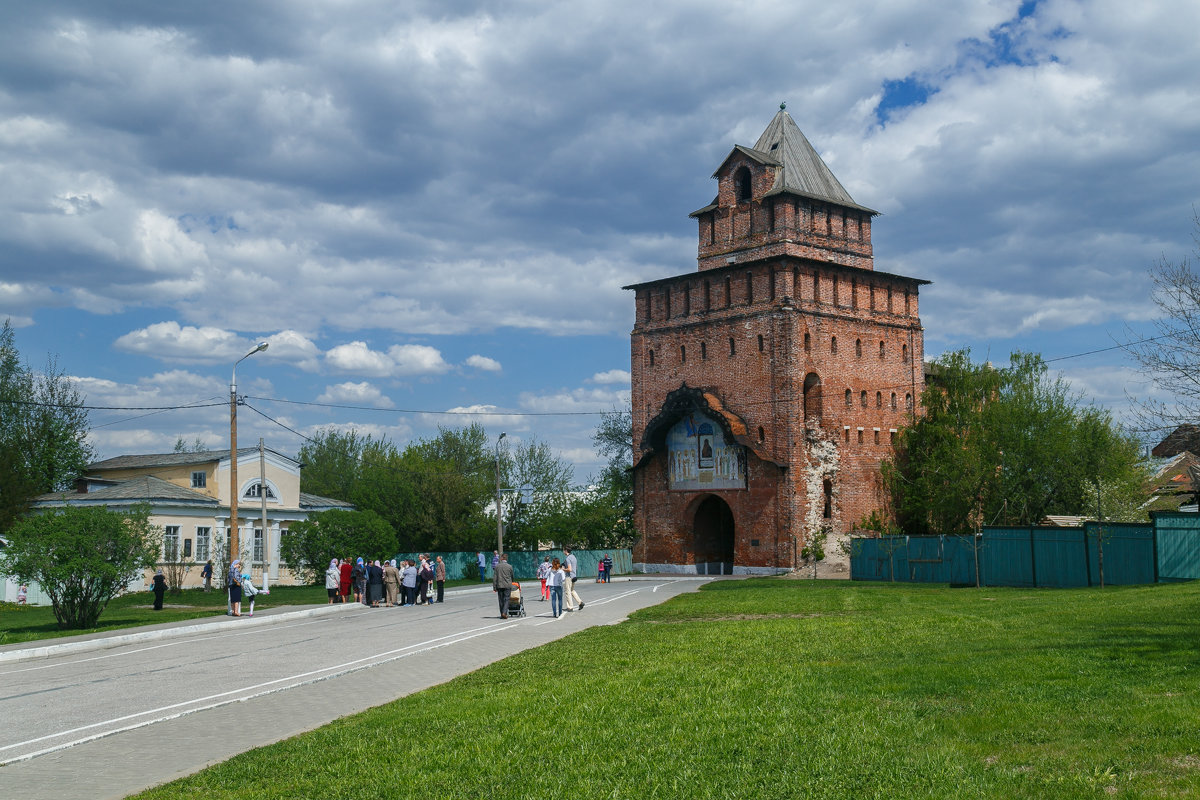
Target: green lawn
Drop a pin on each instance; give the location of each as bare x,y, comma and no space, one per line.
31,623
786,689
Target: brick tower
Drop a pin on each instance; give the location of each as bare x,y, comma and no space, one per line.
768,384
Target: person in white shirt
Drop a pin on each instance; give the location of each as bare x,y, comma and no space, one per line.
570,596
554,582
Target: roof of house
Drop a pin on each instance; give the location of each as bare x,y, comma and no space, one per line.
1185,437
142,488
310,502
173,459
801,170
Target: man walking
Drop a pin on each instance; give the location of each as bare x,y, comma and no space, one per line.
570,596
502,583
482,566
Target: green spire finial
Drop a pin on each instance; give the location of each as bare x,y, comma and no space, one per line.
783,106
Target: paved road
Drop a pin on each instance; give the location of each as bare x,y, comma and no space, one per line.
106,723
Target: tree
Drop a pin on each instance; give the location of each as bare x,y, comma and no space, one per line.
1171,357
81,556
43,430
196,446
332,462
1007,445
310,545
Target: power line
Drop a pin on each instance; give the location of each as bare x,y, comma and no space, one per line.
420,411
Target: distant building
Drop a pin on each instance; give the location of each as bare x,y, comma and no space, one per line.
189,497
767,385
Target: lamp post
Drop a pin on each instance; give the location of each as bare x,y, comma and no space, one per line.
234,544
499,508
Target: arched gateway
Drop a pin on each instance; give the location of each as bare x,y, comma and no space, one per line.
713,537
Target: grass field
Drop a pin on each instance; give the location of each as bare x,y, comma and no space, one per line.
32,623
784,689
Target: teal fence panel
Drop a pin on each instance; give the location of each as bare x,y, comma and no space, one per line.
1060,557
1129,553
1178,542
1006,557
524,563
876,559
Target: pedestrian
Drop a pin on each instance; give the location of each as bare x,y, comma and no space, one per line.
345,580
600,571
502,582
543,571
391,582
439,575
424,575
249,591
408,579
375,583
359,576
206,573
333,579
482,566
569,590
160,589
608,568
554,582
233,585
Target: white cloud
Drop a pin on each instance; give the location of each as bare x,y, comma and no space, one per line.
576,400
483,363
417,359
611,376
360,394
399,360
487,415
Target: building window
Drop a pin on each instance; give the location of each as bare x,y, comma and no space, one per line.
863,398
908,403
742,185
879,399
904,353
858,348
881,350
761,433
170,542
877,436
255,491
893,401
827,487
771,216
849,398
199,479
846,430
704,351
203,543
732,348
258,545
760,343
833,345
187,548
651,352
807,342
683,353
860,438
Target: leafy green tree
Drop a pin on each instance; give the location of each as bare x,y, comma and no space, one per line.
1002,445
332,462
310,545
81,556
196,445
43,430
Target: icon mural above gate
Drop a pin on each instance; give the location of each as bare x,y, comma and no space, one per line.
699,457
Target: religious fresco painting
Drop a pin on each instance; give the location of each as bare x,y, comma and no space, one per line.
699,458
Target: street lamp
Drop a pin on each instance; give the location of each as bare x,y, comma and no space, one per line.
499,507
234,544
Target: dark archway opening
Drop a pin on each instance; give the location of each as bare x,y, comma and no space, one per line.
812,397
713,537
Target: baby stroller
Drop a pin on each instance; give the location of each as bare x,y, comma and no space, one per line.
516,604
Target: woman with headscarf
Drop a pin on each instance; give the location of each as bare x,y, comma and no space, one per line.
159,588
344,580
333,579
391,582
234,582
359,576
374,584
408,579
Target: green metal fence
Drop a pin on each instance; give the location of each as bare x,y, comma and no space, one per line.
525,563
1166,549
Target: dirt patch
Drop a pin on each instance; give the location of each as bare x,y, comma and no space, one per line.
835,565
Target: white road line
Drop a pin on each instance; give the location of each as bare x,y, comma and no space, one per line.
306,678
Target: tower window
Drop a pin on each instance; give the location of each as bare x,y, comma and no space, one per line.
807,342
833,345
849,398
860,438
858,348
862,397
893,401
760,343
651,358
904,353
881,349
687,299
704,351
879,399
908,401
877,436
732,349
761,434
683,353
741,181
827,490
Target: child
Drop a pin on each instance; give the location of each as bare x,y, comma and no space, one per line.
543,571
248,590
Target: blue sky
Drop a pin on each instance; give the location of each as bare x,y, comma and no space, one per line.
431,207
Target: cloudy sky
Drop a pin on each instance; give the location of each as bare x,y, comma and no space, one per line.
430,207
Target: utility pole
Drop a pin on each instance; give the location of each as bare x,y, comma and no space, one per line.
499,507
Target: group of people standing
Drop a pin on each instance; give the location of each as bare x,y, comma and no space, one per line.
239,586
406,582
558,583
